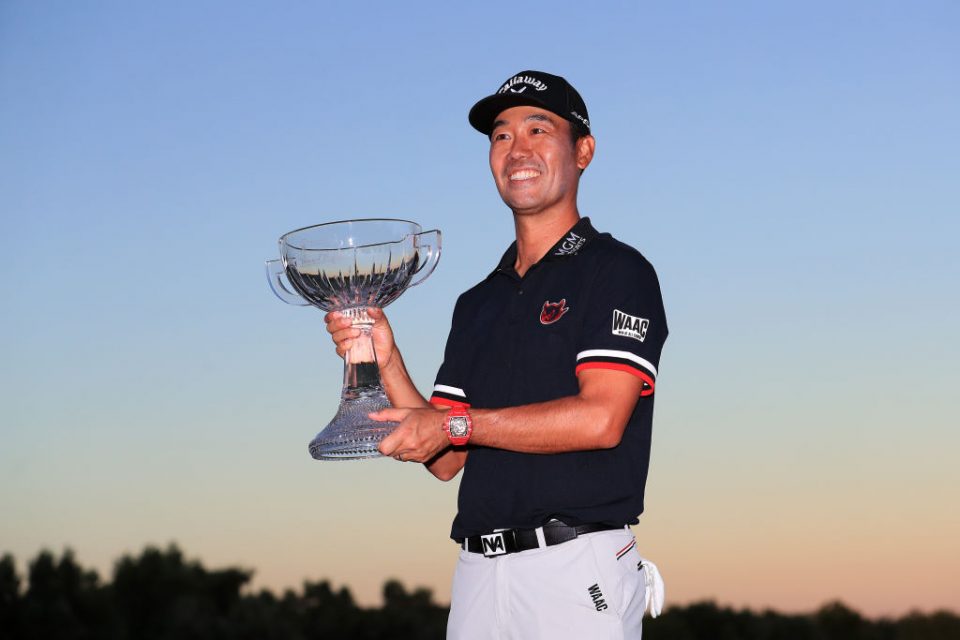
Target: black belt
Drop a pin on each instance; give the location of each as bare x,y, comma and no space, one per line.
514,540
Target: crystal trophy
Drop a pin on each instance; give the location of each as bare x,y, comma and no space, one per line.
349,266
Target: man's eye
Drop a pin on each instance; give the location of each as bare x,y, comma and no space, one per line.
538,130
499,136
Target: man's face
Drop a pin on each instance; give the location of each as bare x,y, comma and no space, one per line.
534,162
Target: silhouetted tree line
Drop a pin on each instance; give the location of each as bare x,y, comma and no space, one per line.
161,596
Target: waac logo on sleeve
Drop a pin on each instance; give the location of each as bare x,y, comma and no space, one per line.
629,326
553,311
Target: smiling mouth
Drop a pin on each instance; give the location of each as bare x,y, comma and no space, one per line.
524,174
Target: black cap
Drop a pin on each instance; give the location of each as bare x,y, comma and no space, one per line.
533,89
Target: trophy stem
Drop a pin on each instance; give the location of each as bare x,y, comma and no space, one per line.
352,434
361,373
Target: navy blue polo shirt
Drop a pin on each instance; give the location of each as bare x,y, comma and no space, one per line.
591,302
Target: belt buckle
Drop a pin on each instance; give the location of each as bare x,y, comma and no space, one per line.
493,544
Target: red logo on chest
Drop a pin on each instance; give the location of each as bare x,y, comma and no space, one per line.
553,311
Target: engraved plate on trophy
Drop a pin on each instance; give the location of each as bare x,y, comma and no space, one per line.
349,266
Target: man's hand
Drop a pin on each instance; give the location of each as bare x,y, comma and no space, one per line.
343,332
418,438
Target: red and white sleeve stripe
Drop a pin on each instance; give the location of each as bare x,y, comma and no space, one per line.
619,361
449,396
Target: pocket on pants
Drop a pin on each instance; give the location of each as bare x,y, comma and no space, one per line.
473,608
617,561
560,592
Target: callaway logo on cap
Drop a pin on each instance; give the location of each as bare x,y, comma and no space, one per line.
533,89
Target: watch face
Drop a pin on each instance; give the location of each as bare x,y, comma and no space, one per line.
458,426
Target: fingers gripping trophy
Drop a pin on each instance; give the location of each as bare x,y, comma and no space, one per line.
349,266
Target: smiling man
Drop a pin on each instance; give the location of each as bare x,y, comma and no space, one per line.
545,395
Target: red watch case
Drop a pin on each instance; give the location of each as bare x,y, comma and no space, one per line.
458,426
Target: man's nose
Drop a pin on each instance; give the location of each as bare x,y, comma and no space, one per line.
519,147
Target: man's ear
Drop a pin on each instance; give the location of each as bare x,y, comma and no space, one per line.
586,145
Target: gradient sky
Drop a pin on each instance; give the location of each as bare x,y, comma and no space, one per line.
791,169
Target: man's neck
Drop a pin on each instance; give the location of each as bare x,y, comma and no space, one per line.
537,233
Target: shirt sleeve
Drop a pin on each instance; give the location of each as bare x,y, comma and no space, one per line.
625,326
448,390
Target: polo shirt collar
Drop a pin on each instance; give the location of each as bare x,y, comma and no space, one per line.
569,244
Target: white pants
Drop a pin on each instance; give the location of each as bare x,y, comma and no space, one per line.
592,587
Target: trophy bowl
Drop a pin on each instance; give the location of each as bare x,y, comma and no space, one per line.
349,266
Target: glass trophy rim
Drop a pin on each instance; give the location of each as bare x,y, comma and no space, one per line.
283,241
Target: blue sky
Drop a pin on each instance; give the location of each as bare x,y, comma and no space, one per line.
790,170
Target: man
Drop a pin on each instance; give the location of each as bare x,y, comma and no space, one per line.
544,397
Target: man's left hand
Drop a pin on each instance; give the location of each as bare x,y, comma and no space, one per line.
419,436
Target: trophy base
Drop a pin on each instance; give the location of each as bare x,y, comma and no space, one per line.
351,435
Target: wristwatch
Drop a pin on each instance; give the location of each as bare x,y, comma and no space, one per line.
458,425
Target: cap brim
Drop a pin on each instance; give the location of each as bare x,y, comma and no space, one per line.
484,112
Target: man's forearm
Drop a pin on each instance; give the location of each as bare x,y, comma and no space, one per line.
399,387
447,464
565,424
593,419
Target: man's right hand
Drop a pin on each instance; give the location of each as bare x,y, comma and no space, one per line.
343,333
